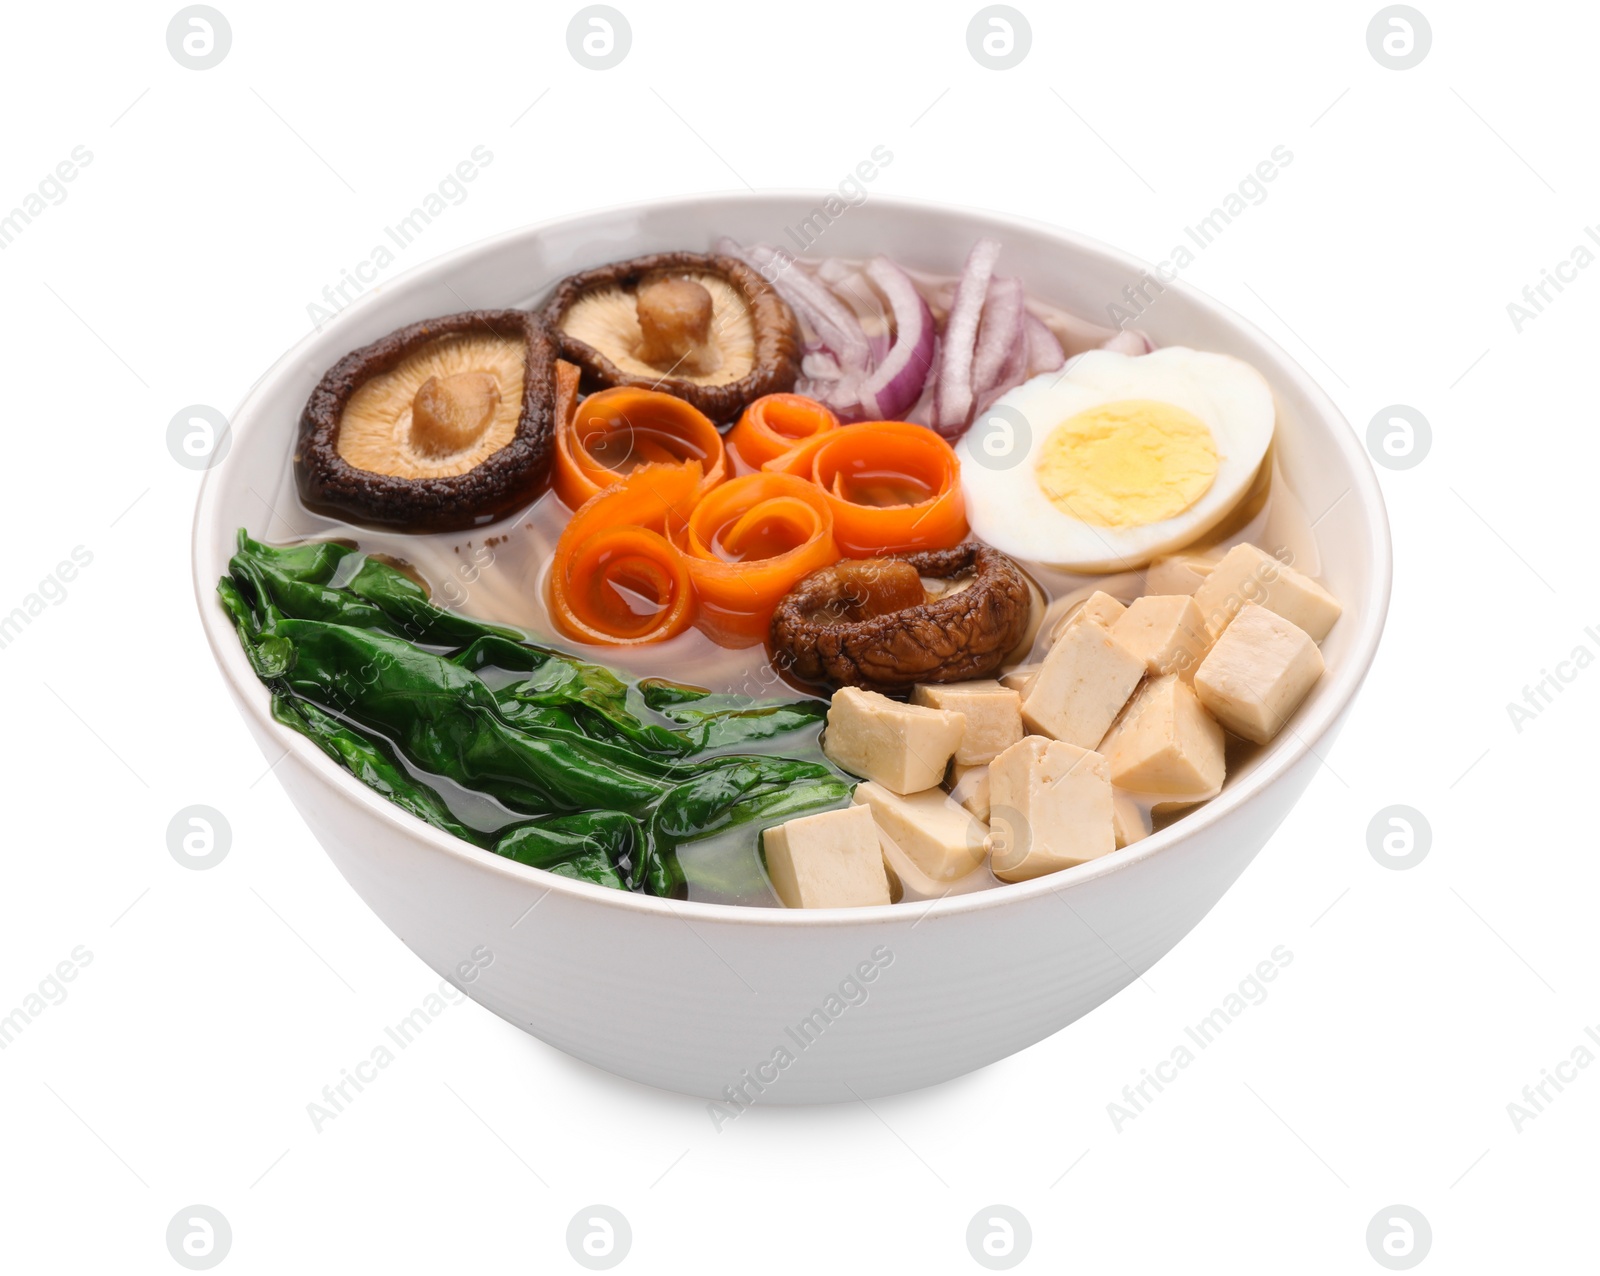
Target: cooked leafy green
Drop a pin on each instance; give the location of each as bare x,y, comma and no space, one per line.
512,745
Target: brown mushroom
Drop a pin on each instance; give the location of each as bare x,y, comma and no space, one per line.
705,328
442,425
875,623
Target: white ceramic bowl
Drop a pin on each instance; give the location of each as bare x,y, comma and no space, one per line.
700,997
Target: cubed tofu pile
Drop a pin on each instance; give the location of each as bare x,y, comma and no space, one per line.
1062,762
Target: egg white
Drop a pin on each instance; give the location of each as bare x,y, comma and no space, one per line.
1008,509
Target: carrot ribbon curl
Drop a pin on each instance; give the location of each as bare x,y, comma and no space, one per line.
663,539
616,577
610,433
749,542
894,487
774,424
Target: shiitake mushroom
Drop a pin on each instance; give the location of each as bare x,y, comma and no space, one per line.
443,425
873,623
706,328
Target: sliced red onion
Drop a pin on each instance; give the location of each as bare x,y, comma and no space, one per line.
911,370
1012,374
902,371
1000,334
921,412
1015,371
848,283
953,397
1044,351
834,270
819,365
1129,341
834,322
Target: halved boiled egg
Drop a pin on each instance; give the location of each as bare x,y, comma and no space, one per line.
1122,458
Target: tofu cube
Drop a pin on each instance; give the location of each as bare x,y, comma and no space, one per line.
1165,746
1051,808
994,716
1177,574
904,747
1166,631
1085,680
937,834
1130,818
1099,607
1258,673
969,785
831,860
1248,574
1019,678
1102,608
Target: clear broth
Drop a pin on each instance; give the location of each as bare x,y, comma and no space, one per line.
500,573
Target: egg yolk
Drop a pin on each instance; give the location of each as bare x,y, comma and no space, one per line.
1127,464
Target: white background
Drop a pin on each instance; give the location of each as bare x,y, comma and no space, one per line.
217,1004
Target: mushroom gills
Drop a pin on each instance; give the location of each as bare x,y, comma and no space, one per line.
440,412
692,327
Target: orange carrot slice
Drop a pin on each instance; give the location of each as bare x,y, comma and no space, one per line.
748,543
613,432
894,487
774,424
616,577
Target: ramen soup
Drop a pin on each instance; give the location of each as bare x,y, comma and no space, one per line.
757,580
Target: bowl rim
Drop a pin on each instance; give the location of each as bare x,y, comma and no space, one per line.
1281,756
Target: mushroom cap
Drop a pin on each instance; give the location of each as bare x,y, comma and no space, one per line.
356,457
963,633
593,318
